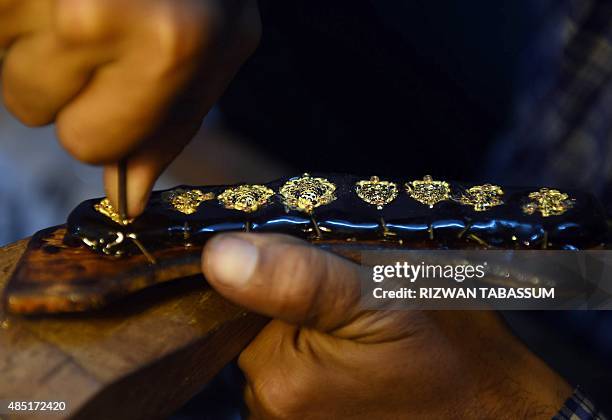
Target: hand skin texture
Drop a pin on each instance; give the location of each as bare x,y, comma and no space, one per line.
123,78
323,357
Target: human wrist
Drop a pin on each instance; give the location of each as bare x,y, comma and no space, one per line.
527,388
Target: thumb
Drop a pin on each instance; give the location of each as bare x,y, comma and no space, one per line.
283,277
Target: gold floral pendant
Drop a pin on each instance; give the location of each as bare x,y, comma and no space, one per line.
482,197
307,193
247,198
376,192
186,201
428,191
548,202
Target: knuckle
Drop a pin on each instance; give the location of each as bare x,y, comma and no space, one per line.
27,117
179,34
279,398
243,361
82,20
24,111
71,138
246,359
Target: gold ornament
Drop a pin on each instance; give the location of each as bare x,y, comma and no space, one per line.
106,208
376,192
306,193
428,191
186,201
548,202
247,198
482,197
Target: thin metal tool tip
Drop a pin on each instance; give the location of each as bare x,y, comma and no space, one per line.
142,248
122,188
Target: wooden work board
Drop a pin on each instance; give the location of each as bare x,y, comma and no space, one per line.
140,358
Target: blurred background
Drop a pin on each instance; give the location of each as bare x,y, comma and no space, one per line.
512,91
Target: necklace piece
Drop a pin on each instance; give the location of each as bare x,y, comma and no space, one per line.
376,192
186,201
428,191
482,197
247,198
548,202
306,193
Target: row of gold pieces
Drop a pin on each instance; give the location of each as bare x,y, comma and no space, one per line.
431,192
306,193
427,191
303,193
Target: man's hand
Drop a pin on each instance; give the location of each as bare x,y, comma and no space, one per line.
322,356
123,77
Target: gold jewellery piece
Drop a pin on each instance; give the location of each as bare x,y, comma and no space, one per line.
428,191
106,208
306,193
186,201
482,197
548,202
376,192
247,198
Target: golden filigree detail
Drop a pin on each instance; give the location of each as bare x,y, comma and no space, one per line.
428,191
306,193
548,202
482,197
247,198
186,201
376,192
106,208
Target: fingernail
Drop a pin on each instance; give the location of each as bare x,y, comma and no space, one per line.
232,261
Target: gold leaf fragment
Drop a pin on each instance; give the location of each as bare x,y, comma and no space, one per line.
482,197
548,202
186,201
106,208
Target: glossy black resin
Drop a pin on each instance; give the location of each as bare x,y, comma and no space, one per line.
448,225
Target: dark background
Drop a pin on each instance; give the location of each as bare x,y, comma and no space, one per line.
401,88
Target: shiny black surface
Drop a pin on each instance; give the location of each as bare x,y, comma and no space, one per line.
409,223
